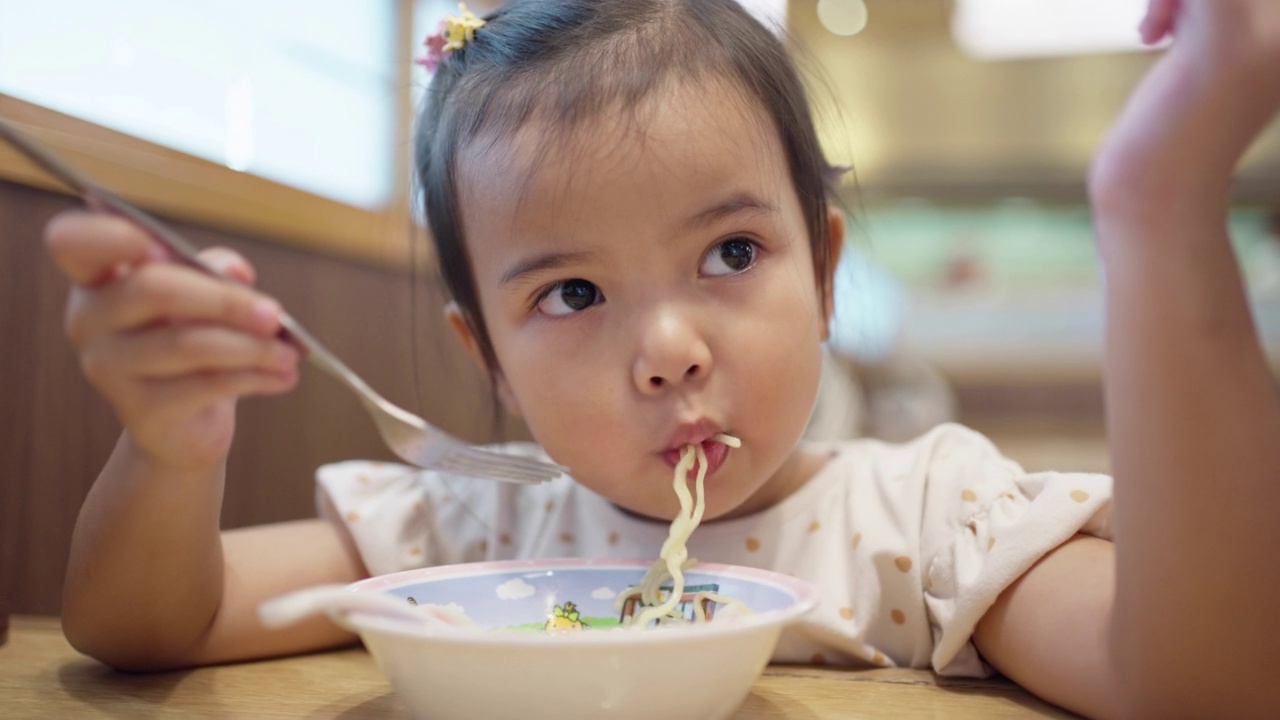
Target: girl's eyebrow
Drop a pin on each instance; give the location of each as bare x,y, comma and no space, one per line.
541,262
738,203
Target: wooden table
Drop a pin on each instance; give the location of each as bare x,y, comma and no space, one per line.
42,677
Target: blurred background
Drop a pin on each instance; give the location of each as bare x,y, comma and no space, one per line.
969,291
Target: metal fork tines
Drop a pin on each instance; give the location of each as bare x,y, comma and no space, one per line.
407,435
414,439
474,461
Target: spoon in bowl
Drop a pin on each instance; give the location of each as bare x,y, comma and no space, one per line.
339,601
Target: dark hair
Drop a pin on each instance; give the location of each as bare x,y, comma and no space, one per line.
569,60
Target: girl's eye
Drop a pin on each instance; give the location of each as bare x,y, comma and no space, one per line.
729,257
569,296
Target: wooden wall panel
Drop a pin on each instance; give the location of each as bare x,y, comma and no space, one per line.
55,432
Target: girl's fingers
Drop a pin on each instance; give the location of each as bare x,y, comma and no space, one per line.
91,248
176,399
166,292
231,264
190,416
177,350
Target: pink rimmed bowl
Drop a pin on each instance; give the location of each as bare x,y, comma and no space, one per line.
549,643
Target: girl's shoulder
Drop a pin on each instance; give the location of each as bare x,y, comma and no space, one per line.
947,443
946,474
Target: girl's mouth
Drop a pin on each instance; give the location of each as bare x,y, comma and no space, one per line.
716,453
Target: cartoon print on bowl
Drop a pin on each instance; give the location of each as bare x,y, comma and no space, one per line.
565,619
633,605
523,601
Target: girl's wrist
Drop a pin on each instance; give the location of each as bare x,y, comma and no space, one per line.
1159,209
153,465
1174,150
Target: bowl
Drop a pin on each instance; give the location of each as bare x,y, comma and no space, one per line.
550,642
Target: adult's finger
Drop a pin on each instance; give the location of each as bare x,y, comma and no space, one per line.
1159,20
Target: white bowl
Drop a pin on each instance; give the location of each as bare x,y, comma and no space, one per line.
596,670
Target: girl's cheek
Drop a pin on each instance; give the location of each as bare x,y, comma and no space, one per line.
560,396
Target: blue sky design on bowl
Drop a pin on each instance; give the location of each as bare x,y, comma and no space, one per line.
517,597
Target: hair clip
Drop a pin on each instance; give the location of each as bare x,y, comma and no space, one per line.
453,34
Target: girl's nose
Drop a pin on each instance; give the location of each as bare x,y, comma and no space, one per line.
672,354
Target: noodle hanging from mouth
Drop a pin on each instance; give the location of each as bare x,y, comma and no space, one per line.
674,558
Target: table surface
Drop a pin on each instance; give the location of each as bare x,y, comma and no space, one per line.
42,676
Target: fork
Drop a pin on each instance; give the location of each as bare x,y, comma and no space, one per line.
410,437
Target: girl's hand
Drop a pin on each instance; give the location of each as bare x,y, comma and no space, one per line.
169,347
1186,126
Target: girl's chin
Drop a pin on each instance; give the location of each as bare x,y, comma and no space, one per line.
659,502
665,513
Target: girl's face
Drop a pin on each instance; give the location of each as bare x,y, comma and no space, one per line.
648,282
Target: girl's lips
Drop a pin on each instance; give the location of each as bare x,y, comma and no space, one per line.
716,453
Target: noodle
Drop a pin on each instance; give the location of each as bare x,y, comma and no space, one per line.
674,558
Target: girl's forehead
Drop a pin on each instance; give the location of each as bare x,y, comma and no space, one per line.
692,134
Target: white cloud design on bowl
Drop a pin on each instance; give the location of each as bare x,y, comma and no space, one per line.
603,593
514,589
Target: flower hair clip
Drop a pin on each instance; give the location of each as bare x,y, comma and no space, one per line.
454,33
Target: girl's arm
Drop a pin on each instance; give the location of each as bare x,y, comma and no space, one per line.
153,585
152,582
1192,410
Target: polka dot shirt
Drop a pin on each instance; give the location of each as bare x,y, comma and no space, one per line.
908,544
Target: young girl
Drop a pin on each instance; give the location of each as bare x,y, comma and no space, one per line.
629,206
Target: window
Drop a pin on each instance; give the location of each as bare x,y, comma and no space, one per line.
297,91
1005,29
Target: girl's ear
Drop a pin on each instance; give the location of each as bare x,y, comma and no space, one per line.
835,244
466,334
462,328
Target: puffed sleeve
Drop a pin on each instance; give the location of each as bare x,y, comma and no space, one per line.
384,508
985,523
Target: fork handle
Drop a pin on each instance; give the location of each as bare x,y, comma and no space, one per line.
292,332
